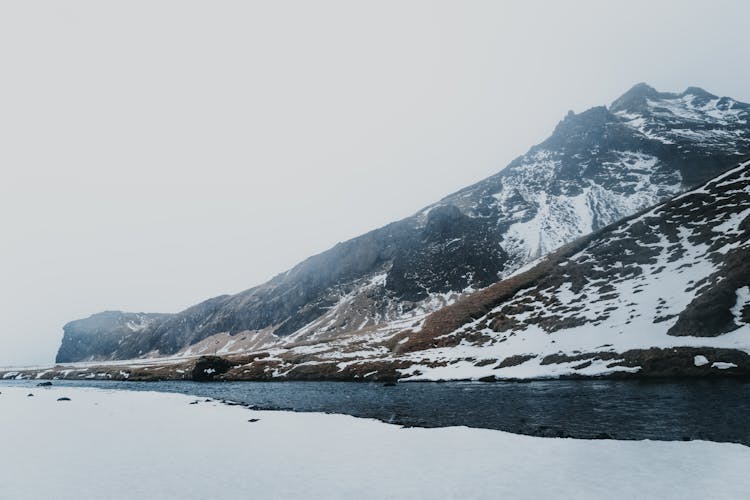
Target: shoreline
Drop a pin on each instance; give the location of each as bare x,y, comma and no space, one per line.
178,446
664,409
25,377
642,364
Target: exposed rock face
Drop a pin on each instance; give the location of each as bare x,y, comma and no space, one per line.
208,367
101,335
597,167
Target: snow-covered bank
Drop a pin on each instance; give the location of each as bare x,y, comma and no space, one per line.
117,444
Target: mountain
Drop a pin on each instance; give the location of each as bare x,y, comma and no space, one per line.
103,332
597,167
665,292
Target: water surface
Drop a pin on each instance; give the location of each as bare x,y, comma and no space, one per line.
715,410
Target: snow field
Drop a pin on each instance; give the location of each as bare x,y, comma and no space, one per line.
118,444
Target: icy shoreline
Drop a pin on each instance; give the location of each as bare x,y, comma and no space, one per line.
119,444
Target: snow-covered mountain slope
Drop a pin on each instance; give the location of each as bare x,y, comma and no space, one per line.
693,120
664,292
597,167
605,164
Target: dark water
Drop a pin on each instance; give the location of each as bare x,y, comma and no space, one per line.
715,410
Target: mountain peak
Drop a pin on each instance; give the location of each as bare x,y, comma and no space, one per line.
641,87
634,97
698,92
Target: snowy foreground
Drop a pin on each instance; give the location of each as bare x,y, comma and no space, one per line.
116,444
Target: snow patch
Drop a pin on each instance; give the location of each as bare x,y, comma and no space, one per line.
721,365
700,360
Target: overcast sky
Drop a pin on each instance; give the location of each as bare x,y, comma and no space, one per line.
157,153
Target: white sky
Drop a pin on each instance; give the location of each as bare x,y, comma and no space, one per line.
157,153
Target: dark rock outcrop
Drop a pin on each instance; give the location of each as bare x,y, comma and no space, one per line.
209,367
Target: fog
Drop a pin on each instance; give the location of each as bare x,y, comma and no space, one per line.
157,153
